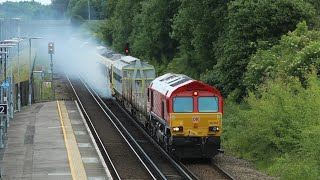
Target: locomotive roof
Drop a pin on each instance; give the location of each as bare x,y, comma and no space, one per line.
168,83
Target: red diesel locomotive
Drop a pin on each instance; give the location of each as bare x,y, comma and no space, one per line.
185,115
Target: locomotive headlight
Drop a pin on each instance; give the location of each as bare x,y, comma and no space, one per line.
214,128
177,129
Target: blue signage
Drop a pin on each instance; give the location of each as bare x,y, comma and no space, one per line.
5,84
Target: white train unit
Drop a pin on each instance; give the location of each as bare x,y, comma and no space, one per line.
130,80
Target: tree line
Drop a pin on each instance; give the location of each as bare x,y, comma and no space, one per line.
263,55
210,40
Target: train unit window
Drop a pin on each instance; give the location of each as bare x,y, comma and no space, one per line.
117,77
183,104
208,104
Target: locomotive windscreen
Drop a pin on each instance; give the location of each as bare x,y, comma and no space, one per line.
183,104
208,104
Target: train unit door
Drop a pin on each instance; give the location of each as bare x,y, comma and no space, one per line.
127,88
137,77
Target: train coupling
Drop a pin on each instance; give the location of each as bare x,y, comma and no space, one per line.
221,151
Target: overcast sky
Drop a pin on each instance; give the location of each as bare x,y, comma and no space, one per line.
45,2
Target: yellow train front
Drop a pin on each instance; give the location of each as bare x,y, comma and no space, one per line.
185,116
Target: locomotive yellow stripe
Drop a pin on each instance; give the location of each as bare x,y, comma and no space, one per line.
194,128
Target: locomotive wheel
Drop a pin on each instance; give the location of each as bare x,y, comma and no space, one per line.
149,129
153,132
166,146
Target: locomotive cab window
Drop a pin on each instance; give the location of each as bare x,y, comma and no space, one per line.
182,104
208,104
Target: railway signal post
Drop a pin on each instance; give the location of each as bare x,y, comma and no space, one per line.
127,49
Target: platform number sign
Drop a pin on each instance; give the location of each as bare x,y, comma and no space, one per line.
3,109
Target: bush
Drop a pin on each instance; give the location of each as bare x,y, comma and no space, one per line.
277,127
295,54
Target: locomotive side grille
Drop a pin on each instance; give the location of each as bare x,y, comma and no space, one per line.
185,79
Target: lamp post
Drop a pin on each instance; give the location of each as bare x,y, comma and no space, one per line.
89,14
1,28
2,54
2,124
9,102
30,69
17,41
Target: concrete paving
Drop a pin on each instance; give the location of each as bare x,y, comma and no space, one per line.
43,142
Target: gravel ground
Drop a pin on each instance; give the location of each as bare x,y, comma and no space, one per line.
239,169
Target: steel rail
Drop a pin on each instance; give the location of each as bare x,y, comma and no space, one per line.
222,171
179,166
159,173
95,132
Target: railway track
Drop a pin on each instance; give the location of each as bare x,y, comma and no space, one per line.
122,161
149,161
206,169
200,167
127,150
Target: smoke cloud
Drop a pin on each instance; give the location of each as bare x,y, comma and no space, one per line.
75,54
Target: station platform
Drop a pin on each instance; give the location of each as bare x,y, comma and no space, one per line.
51,141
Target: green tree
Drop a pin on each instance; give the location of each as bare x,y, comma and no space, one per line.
98,9
196,27
150,36
278,129
26,10
110,9
295,55
252,24
316,5
60,6
121,23
78,8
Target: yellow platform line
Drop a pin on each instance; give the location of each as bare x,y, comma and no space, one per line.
75,162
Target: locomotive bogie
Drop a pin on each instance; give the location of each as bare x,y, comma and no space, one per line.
195,147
